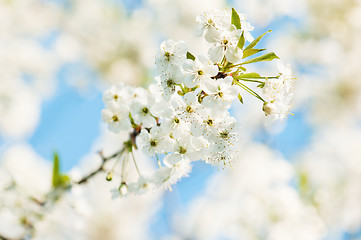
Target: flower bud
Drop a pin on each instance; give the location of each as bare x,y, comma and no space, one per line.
109,176
268,108
123,189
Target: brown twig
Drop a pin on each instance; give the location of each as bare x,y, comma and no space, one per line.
100,168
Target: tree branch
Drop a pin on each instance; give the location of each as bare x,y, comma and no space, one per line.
100,168
81,181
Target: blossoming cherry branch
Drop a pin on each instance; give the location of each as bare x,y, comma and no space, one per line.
184,116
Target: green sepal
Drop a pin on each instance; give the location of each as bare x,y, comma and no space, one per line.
261,85
250,52
240,98
254,43
266,57
242,68
236,21
190,56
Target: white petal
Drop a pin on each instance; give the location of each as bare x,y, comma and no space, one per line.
209,101
248,36
114,127
199,142
106,115
233,55
200,28
190,81
216,54
211,70
209,85
228,80
172,159
125,124
189,65
181,48
190,98
211,34
196,129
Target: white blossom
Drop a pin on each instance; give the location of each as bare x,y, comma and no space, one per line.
221,92
210,120
225,46
167,176
188,108
117,94
186,148
141,113
171,55
201,69
155,141
227,136
278,94
212,21
117,117
169,82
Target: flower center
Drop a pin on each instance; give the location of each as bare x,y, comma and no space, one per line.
153,143
224,134
182,150
176,120
167,55
210,122
170,83
189,109
200,72
115,97
145,110
220,94
225,42
115,118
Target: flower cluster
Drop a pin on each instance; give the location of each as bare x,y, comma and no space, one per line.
184,116
278,93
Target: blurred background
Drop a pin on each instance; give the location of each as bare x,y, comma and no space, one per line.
300,179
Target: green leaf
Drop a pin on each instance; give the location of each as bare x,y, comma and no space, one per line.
241,41
254,43
190,56
65,180
250,52
265,57
248,75
240,98
56,169
58,180
236,21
